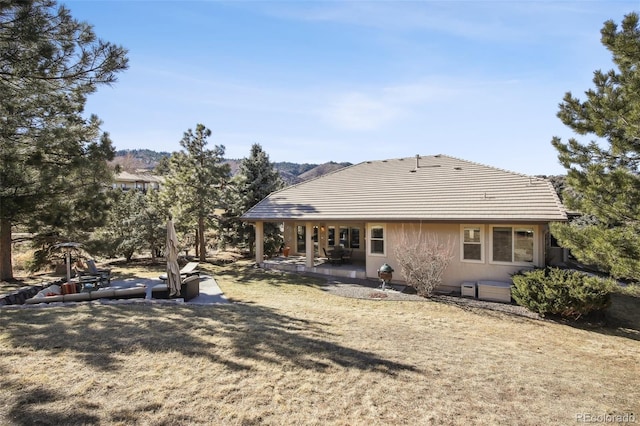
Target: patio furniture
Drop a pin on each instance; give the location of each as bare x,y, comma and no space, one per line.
103,274
334,257
346,256
53,293
187,270
189,289
87,282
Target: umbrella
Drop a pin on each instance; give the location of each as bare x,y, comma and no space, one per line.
171,252
67,247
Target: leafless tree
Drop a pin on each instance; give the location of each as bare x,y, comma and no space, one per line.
423,259
128,163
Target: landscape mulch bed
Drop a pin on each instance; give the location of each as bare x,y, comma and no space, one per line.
370,290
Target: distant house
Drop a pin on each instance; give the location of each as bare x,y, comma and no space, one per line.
142,181
497,220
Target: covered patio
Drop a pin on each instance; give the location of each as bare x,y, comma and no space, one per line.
320,266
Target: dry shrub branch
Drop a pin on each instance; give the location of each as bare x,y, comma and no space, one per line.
423,259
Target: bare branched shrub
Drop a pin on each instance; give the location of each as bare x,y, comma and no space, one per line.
423,260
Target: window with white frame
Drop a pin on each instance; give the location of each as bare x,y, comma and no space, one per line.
512,244
376,239
471,246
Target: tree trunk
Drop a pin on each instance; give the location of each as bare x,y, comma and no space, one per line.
6,268
197,242
201,241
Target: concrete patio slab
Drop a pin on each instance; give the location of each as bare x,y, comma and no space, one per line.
210,292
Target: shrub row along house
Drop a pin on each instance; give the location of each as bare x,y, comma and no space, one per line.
495,221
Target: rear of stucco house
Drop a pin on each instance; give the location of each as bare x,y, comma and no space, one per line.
496,220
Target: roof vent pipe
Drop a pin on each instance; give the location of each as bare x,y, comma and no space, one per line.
417,161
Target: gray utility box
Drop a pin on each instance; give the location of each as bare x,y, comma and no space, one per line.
495,291
468,289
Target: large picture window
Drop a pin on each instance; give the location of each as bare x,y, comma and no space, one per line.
472,243
512,244
376,239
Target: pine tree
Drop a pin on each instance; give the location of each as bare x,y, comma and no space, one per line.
52,159
195,181
256,178
603,174
121,234
152,222
135,222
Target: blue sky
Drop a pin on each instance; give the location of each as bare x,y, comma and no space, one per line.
352,80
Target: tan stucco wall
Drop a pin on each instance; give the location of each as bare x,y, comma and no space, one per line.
458,270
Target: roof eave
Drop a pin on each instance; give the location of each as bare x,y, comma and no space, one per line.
407,219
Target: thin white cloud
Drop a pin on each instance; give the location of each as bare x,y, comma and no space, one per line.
358,111
381,107
428,90
396,16
523,21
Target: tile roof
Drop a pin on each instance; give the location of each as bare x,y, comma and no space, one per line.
441,188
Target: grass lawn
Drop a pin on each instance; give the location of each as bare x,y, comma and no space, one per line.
288,352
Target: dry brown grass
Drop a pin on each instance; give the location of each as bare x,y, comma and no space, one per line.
290,353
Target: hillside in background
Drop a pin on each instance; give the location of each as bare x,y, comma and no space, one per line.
321,169
130,159
292,173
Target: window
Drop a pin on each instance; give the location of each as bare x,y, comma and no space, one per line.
512,244
523,245
355,238
502,244
331,236
472,243
301,238
344,237
348,237
376,239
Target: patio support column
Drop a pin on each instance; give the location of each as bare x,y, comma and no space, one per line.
309,245
259,242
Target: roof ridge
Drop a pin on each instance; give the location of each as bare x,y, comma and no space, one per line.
476,163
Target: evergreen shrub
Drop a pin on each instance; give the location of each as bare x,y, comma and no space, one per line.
563,292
